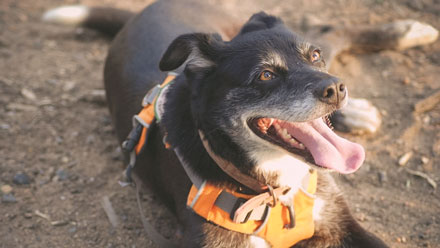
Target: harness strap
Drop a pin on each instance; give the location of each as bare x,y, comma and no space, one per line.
133,145
267,198
150,230
232,170
195,179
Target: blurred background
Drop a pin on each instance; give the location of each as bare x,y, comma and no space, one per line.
59,158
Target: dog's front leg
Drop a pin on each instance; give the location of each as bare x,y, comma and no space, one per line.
193,231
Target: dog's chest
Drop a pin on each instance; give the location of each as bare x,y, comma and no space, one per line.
257,242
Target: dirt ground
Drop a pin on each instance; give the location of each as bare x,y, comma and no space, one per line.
55,128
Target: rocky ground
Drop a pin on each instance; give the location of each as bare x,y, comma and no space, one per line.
59,158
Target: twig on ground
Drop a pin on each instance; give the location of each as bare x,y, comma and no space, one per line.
428,103
107,206
424,176
42,215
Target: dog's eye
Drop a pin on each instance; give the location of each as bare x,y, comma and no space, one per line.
315,56
267,75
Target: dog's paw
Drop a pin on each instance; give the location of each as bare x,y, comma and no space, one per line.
358,116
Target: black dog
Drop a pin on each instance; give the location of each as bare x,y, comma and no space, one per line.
259,101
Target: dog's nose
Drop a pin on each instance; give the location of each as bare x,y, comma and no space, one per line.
331,91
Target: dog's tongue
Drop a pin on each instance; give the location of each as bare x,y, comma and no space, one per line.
328,149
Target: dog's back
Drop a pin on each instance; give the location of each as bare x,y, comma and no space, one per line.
136,51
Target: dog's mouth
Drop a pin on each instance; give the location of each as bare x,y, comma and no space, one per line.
313,141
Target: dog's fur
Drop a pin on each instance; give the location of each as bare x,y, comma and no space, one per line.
218,91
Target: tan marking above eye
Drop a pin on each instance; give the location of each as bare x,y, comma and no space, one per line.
267,75
315,56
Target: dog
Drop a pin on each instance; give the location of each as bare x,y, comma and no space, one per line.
256,97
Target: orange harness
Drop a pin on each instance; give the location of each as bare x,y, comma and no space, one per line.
274,228
220,206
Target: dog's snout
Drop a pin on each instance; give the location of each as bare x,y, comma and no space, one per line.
331,91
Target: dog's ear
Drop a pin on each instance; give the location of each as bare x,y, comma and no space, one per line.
260,21
198,49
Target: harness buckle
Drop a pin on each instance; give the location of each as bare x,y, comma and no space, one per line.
292,223
128,147
237,205
126,175
151,94
274,197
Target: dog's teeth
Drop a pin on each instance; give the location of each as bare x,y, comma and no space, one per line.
293,141
271,120
301,146
285,134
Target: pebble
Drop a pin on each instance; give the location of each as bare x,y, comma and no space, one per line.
426,119
69,85
405,158
90,139
382,175
72,230
59,223
21,178
62,175
5,126
361,217
28,94
9,198
65,159
6,189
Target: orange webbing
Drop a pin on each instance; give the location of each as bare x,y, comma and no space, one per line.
147,114
274,232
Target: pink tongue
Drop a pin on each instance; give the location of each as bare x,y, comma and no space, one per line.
328,149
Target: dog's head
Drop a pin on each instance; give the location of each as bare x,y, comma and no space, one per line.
265,93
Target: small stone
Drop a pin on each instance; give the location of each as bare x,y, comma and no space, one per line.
10,216
28,215
5,126
59,223
69,85
62,175
75,191
95,96
21,178
406,80
425,160
90,139
9,198
28,94
426,119
72,230
405,158
6,189
382,175
64,159
361,217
